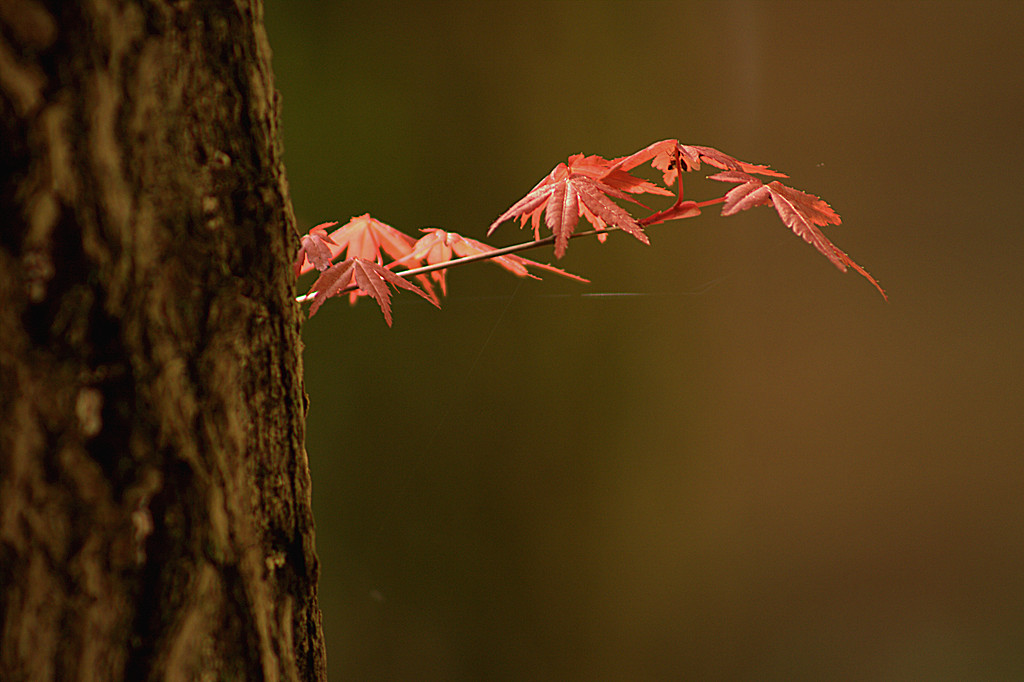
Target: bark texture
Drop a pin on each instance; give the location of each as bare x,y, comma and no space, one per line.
155,514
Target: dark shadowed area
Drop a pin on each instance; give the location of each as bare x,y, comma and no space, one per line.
754,467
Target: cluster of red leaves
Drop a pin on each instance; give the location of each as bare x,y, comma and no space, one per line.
366,241
584,186
581,188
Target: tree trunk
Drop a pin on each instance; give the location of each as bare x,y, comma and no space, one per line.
155,516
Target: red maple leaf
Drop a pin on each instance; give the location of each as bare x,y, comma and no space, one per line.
370,277
362,237
669,156
800,211
315,250
581,187
438,246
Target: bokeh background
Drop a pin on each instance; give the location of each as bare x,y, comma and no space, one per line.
755,468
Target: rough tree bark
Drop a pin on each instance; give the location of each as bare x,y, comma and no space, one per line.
155,514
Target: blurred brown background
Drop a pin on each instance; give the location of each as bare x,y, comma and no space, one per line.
756,470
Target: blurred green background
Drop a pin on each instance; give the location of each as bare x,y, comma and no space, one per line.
756,470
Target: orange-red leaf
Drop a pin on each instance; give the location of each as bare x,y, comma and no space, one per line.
370,277
329,284
593,196
438,246
580,187
315,250
801,212
662,156
605,171
367,238
563,214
